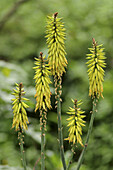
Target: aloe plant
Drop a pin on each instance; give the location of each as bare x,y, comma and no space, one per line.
20,119
95,71
57,62
42,95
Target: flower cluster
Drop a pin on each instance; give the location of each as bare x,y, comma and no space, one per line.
75,123
20,119
42,81
55,39
96,64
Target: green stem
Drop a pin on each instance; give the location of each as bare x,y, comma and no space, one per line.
88,134
71,157
42,144
22,149
60,135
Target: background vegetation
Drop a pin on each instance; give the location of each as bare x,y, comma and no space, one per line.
21,39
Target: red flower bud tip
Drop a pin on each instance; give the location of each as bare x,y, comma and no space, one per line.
55,14
20,85
94,42
41,53
75,101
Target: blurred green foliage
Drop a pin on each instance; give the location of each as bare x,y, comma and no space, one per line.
21,39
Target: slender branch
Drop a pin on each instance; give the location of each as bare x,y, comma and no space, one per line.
11,12
42,143
21,142
71,157
60,135
36,163
88,134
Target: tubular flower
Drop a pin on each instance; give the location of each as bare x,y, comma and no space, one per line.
55,39
75,123
42,81
96,64
20,119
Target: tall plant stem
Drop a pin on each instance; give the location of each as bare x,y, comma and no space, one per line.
21,142
42,144
71,157
60,135
89,132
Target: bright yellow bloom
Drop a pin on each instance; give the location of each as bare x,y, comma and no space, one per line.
55,39
96,64
75,123
20,119
42,81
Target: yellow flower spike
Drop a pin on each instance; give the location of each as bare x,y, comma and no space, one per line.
75,123
20,119
55,39
42,81
43,96
95,71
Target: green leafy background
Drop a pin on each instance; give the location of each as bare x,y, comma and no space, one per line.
21,39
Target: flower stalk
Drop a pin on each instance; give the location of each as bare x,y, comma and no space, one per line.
42,95
21,143
71,156
96,64
75,124
93,113
20,119
42,123
55,34
60,135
